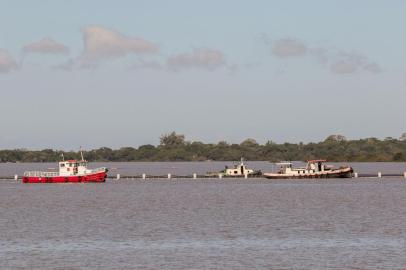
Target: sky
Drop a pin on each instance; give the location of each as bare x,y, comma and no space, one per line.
122,73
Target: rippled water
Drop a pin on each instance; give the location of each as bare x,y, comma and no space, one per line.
204,224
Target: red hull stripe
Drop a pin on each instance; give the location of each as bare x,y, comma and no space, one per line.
89,178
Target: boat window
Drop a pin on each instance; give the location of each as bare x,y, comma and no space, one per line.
62,165
235,172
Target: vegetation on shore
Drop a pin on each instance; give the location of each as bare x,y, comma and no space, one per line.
174,147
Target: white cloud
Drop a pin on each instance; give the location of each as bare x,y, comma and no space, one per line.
288,48
199,58
347,63
340,62
46,46
101,43
7,62
373,67
344,66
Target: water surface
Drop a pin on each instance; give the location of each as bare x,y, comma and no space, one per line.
204,224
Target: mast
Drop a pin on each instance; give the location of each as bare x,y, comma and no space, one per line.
81,154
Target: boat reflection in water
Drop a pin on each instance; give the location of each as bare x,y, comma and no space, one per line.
314,169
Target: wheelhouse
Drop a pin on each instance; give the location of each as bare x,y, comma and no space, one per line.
69,167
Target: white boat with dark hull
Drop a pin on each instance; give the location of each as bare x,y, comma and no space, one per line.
238,170
314,169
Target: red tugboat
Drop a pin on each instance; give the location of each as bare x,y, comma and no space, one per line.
70,171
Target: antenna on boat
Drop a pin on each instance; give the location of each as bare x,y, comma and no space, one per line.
81,153
63,158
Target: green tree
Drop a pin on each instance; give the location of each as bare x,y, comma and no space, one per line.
336,138
172,139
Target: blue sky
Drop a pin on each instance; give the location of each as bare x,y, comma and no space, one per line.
121,73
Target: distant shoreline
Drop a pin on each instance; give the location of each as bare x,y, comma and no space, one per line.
173,147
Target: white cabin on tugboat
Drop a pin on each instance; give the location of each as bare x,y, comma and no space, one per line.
73,167
314,169
313,166
239,170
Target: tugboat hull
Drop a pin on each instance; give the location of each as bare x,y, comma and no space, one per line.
98,177
338,173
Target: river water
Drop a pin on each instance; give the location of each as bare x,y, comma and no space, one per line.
204,224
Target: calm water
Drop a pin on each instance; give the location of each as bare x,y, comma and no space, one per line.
204,224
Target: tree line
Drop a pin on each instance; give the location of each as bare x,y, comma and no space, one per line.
174,147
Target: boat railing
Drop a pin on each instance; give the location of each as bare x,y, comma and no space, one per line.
40,174
101,169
